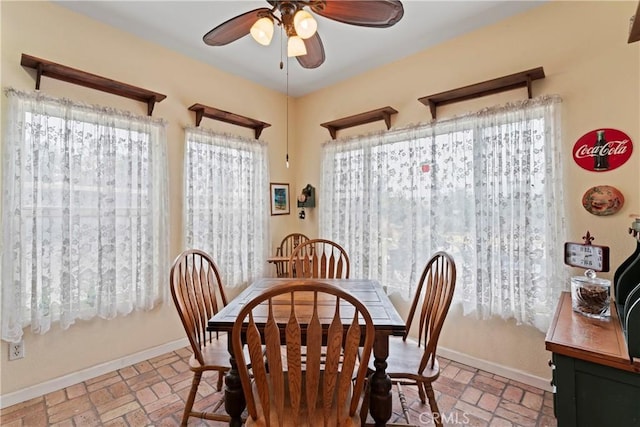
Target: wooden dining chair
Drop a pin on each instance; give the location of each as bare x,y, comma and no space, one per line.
198,294
415,363
319,258
293,383
287,246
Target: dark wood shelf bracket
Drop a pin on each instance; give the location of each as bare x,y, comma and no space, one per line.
82,78
634,31
227,117
489,87
383,113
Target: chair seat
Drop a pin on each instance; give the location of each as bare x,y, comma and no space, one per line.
215,355
303,420
404,359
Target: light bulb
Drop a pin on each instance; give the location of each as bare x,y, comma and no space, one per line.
262,31
304,24
296,47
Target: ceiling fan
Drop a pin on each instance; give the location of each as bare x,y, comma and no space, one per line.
299,25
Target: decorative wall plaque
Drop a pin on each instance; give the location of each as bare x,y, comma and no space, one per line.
602,149
603,200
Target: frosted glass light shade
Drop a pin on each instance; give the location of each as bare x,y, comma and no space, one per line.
304,24
296,47
262,31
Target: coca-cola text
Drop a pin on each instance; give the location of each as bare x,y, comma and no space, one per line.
610,148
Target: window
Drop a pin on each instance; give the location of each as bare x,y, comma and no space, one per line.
226,202
484,187
84,213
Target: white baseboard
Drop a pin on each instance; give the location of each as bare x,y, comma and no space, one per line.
86,374
503,371
95,371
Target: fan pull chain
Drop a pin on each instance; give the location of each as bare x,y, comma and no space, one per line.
287,87
281,41
287,157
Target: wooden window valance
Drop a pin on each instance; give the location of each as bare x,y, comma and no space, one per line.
489,87
634,31
383,113
82,78
227,117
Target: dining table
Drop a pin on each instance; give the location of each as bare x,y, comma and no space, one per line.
386,320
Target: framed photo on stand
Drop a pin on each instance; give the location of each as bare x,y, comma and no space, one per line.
280,203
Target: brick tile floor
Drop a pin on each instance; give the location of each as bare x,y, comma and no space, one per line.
153,392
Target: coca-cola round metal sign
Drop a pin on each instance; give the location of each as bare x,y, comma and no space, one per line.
602,150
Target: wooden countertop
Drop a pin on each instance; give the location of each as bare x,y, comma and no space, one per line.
594,340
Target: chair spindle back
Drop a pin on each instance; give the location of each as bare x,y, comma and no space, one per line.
288,244
316,387
435,291
198,293
319,258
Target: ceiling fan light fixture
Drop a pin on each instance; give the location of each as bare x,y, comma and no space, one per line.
305,42
296,47
304,24
262,31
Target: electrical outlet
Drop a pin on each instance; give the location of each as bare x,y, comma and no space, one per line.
16,350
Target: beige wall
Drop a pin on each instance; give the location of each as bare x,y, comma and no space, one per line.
48,31
582,47
587,61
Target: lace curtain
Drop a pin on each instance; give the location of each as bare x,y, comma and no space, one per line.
226,202
486,187
84,213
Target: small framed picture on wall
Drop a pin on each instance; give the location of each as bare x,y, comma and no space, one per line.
280,204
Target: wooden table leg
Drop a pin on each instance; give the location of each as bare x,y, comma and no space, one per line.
234,402
380,404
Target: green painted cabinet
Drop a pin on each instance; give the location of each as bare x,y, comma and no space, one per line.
596,383
589,394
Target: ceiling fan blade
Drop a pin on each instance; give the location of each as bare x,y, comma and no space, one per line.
233,29
365,13
315,52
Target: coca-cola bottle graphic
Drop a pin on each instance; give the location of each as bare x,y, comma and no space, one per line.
601,153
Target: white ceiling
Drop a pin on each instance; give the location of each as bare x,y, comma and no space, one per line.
350,50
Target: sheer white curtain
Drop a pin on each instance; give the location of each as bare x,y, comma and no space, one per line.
486,187
84,205
226,202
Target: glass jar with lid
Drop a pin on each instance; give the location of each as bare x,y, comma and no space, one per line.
591,295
